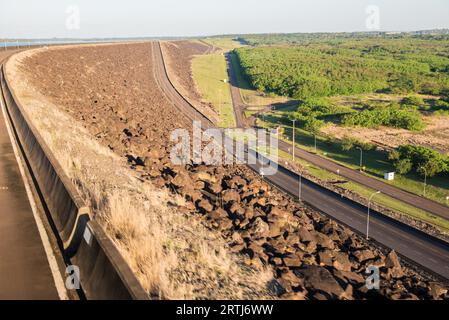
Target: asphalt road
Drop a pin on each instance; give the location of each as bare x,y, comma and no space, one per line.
427,251
24,270
433,207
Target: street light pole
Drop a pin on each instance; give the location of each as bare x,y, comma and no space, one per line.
293,139
361,157
367,219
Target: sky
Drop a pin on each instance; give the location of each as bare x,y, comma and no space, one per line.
151,18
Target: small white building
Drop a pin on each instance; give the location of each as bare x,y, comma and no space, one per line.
389,176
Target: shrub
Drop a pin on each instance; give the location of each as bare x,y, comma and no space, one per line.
420,159
348,143
403,166
413,101
391,116
313,125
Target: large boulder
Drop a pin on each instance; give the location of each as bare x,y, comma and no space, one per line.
293,260
278,221
323,241
260,228
231,195
342,262
363,255
393,265
182,180
304,235
205,176
325,257
218,214
236,182
205,205
349,277
436,290
319,279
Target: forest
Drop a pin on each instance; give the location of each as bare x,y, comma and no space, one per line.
304,38
349,66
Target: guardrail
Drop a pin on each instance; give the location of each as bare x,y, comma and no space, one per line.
104,274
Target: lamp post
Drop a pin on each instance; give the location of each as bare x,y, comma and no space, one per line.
293,139
361,158
367,219
425,180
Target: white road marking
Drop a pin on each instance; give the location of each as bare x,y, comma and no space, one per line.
59,283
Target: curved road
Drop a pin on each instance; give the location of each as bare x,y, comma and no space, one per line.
427,251
353,175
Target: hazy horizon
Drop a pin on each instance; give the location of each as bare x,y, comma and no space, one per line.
83,19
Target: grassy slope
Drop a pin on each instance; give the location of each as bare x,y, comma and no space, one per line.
365,192
209,71
226,44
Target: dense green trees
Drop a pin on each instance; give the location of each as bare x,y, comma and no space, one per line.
420,159
391,116
311,113
348,67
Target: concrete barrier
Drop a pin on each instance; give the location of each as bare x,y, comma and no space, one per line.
104,274
68,211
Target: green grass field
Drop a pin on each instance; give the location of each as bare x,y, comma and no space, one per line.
226,43
376,162
209,71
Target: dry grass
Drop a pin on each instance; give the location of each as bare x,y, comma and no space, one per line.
172,253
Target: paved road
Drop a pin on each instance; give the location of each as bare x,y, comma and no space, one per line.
419,247
353,175
24,270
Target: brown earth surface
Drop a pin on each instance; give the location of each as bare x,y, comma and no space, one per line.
178,56
112,92
435,135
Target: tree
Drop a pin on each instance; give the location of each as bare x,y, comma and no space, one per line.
403,166
423,160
